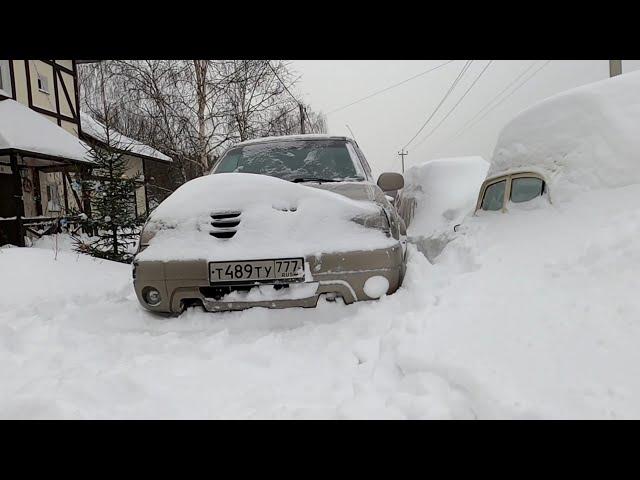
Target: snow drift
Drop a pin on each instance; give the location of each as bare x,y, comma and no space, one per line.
582,139
443,192
279,218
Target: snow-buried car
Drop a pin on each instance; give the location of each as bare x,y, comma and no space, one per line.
279,222
583,139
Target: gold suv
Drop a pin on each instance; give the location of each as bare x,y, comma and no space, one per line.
279,222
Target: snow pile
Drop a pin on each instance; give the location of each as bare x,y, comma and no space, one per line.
585,138
530,314
442,191
278,219
24,129
541,307
37,276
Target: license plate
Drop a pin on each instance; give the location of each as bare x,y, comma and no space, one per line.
257,270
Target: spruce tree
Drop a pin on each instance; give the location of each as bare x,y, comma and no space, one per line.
113,221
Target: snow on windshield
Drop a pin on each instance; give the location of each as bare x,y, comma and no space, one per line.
582,139
278,219
326,159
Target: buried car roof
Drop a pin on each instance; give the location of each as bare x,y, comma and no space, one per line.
581,139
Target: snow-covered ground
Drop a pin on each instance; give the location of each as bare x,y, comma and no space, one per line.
546,329
533,313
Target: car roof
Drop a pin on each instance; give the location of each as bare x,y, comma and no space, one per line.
297,138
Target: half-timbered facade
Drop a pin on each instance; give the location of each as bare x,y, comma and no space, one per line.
38,177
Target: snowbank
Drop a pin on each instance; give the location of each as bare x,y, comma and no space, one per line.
279,218
38,276
582,139
541,307
534,314
443,191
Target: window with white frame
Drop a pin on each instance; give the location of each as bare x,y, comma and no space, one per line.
5,78
43,83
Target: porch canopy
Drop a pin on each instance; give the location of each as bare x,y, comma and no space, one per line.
32,136
28,139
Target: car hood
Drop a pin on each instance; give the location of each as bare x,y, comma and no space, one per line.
246,216
362,191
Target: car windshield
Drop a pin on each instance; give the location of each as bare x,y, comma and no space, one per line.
299,161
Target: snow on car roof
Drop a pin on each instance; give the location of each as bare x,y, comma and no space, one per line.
581,139
283,138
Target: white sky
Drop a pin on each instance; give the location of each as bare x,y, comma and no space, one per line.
385,123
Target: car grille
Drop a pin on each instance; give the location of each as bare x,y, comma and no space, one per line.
225,224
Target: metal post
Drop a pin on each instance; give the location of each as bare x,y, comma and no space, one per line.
17,197
615,67
402,154
301,107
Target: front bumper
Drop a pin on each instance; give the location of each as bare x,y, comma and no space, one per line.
344,274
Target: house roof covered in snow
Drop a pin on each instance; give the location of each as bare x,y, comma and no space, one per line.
98,131
581,139
24,130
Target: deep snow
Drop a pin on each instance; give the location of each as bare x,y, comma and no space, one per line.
581,139
533,313
530,314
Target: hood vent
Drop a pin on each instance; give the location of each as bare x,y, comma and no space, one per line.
225,224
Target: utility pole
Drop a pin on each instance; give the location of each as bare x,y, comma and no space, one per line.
615,67
402,153
301,107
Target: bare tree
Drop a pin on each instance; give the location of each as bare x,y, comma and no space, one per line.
192,110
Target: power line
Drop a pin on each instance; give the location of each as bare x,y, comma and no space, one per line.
457,103
451,88
511,93
389,87
498,95
302,108
282,83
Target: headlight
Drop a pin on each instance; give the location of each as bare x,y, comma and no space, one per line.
378,221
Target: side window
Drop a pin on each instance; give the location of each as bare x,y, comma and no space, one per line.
524,189
494,196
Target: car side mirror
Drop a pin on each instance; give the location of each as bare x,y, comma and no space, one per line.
390,181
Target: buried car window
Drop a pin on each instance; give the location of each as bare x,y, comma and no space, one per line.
494,196
524,189
289,160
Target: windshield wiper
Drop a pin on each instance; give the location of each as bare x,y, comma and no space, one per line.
313,179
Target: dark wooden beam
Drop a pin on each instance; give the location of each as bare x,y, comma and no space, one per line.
17,197
28,74
37,191
13,79
66,93
56,92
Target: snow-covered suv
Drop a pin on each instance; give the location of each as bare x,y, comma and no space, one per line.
279,222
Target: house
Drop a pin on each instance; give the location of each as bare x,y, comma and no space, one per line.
44,145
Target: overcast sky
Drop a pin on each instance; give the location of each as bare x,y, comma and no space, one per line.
385,123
